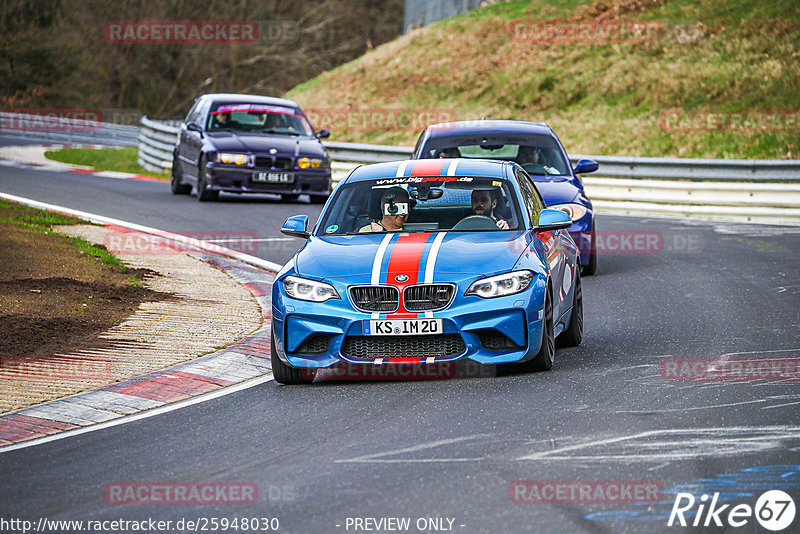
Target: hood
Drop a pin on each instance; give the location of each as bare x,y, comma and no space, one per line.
250,142
556,189
353,256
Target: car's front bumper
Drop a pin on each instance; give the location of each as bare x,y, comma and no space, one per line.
511,326
240,180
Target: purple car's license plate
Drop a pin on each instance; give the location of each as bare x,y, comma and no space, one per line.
273,177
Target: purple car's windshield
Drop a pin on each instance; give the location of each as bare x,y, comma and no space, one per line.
258,118
422,204
537,154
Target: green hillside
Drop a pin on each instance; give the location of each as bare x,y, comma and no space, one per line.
717,79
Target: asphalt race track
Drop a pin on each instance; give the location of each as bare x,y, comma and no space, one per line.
447,454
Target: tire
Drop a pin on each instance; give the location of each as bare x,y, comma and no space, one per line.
572,336
591,266
285,374
543,361
204,194
290,197
175,184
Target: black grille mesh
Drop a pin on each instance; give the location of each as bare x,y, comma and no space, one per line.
315,344
269,162
494,340
427,297
375,298
368,347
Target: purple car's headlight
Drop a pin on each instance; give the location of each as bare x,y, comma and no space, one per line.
310,290
574,211
501,284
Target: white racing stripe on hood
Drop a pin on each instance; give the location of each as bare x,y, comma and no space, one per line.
431,263
401,170
451,170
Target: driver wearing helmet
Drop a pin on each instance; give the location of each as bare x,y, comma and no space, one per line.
395,208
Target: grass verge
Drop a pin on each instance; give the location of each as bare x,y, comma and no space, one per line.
58,293
105,159
677,94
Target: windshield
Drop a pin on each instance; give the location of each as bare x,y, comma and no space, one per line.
537,154
258,118
422,204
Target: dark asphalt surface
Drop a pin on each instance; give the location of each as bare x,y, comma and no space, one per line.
451,448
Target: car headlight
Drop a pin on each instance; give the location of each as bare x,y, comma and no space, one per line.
311,290
574,211
501,284
313,163
232,159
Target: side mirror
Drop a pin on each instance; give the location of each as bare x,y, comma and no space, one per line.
550,220
296,226
194,127
324,133
585,166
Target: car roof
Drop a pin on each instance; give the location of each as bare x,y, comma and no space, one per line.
433,167
488,126
235,98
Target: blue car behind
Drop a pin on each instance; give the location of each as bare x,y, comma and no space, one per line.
536,147
454,283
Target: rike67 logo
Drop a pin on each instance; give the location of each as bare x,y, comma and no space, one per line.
774,511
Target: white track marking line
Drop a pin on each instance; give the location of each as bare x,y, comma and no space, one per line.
101,219
376,458
227,390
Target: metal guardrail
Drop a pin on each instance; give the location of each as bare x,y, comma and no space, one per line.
67,130
744,190
739,190
156,141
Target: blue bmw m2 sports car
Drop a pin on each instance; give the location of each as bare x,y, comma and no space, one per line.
428,261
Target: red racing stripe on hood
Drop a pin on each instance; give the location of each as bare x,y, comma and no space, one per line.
427,167
405,261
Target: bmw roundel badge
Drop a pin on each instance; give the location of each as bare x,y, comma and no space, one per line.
400,278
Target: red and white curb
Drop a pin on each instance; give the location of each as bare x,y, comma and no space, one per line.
66,167
244,364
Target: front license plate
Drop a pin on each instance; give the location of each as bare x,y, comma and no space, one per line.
401,327
273,177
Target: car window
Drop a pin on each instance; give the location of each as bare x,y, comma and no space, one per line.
537,153
421,204
259,118
530,196
193,112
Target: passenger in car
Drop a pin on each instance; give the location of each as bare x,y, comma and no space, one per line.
484,202
451,152
222,120
395,208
